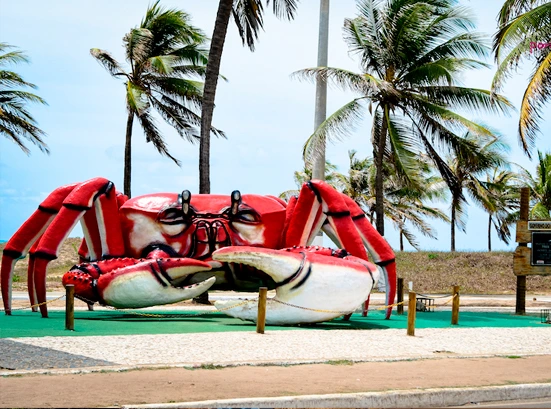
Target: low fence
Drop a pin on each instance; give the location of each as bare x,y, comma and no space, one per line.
422,303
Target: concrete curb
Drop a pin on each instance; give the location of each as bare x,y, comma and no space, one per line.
440,397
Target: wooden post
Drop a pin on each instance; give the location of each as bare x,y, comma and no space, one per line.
261,318
70,307
412,307
400,290
455,305
520,308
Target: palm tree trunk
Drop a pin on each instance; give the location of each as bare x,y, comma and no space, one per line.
490,232
454,201
209,93
318,171
378,153
128,154
401,240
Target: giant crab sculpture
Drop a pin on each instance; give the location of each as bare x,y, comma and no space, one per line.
163,248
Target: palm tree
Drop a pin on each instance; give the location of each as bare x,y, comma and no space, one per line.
320,111
540,187
163,52
524,24
302,176
412,54
503,204
15,121
248,17
405,203
467,172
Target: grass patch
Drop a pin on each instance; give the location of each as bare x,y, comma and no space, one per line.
341,362
211,366
514,357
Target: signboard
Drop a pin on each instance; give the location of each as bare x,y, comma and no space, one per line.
539,225
541,249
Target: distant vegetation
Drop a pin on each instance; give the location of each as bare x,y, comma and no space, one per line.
431,272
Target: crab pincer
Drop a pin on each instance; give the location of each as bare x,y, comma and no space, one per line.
313,284
137,283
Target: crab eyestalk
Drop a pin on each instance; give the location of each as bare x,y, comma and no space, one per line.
311,286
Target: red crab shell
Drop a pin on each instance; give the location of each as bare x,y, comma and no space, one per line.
158,219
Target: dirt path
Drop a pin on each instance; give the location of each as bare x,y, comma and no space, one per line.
184,385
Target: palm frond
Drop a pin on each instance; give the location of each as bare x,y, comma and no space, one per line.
337,126
136,98
524,25
364,84
404,147
467,98
16,123
512,8
12,57
107,61
535,96
153,135
138,46
284,8
249,19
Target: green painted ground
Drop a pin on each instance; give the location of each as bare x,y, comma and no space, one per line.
24,323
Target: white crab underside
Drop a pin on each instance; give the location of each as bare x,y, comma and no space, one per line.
327,291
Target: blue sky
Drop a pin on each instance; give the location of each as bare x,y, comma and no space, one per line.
266,115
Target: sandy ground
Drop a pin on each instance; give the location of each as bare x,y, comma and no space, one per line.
185,385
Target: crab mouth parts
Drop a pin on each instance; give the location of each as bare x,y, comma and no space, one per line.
208,237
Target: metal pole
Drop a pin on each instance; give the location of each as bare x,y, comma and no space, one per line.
412,306
70,307
318,171
261,319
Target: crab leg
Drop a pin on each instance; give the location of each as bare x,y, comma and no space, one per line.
378,248
27,235
77,203
321,206
30,276
317,203
312,284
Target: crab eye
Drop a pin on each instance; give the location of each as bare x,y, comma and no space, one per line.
173,222
246,216
171,216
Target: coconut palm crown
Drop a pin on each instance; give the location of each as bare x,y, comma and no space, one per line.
167,58
16,123
412,55
540,187
525,34
469,173
406,204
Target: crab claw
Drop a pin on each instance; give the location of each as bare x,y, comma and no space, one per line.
131,283
312,284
